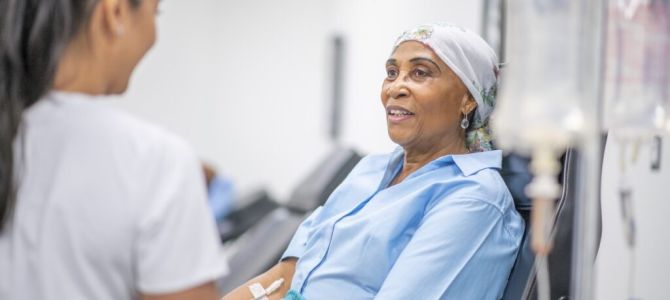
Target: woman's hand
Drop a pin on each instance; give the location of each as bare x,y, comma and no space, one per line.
283,269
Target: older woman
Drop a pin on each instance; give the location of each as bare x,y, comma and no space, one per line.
431,220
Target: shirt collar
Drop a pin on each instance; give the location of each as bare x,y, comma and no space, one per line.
469,163
472,163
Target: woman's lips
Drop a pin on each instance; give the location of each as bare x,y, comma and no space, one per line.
398,114
399,118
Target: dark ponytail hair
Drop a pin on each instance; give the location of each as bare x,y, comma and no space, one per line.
33,34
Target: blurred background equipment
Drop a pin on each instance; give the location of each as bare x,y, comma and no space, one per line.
637,97
220,193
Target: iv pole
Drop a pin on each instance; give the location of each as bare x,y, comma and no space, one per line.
586,205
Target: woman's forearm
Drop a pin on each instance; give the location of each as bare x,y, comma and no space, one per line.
284,269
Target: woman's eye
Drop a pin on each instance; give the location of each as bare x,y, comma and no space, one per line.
421,73
391,73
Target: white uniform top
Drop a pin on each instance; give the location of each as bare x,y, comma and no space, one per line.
108,206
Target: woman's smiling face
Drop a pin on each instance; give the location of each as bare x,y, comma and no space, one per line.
424,100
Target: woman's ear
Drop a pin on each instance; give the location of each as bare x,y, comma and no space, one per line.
113,13
468,104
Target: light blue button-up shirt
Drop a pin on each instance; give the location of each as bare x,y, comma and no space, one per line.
448,231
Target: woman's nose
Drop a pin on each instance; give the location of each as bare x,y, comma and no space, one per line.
397,89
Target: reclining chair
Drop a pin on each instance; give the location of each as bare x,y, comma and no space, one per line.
258,205
262,245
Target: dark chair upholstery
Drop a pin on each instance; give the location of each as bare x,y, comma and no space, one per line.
317,186
516,175
259,205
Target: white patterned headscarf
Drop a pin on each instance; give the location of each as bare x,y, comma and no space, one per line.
474,62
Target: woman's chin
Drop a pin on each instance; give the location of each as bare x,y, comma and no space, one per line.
398,138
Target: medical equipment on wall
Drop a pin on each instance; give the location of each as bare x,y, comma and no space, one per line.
636,92
637,68
547,103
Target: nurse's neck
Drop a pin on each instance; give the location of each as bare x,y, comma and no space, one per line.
417,156
82,68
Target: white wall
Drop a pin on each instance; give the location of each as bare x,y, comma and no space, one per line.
651,205
243,81
248,82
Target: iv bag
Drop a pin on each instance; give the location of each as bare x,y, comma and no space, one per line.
541,100
637,67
